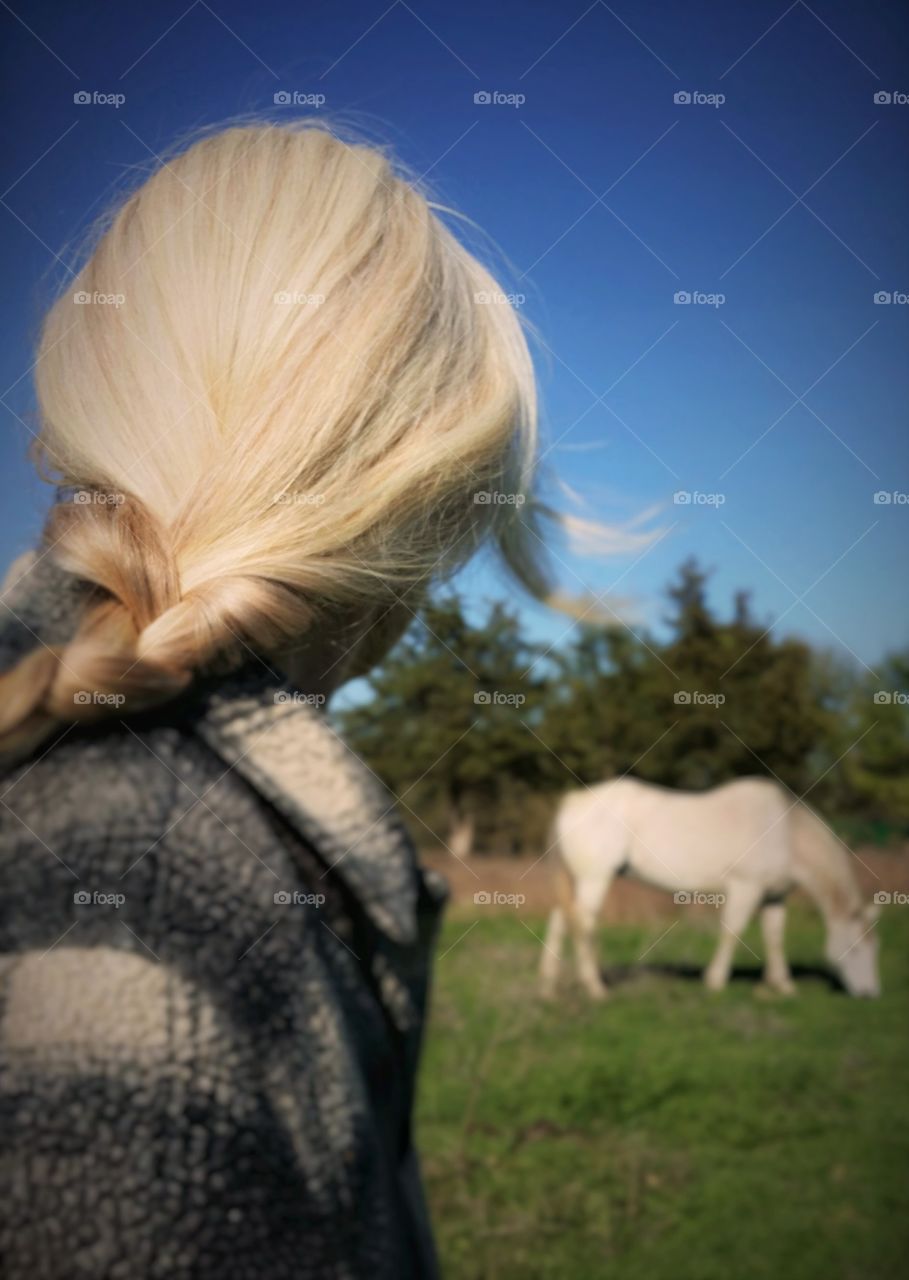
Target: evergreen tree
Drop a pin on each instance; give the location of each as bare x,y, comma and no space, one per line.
446,725
873,771
479,733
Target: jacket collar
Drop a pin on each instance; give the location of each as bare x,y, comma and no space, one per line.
268,732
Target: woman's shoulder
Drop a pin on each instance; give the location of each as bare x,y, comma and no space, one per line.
141,832
105,778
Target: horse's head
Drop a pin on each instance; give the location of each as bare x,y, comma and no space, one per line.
852,950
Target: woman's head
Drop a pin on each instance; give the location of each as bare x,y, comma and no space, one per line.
278,395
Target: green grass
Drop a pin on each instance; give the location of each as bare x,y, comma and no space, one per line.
668,1132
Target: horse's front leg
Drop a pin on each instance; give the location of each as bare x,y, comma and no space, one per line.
585,910
776,969
741,899
551,959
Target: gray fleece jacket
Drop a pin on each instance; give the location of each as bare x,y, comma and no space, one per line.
214,942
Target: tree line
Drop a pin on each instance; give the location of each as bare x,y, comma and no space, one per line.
478,731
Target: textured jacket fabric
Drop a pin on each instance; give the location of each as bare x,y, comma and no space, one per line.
214,943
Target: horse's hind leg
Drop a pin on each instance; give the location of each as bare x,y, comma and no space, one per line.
741,899
776,970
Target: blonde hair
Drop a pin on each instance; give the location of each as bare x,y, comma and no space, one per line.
284,393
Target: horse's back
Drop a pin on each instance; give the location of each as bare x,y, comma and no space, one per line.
681,839
704,838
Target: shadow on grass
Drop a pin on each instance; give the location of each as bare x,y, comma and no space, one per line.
619,975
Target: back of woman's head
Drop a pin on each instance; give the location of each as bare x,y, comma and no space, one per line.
276,395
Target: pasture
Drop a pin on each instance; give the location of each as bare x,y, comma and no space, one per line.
668,1134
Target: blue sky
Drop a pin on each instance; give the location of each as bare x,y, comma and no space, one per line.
606,198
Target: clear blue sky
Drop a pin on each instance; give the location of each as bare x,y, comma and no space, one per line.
607,197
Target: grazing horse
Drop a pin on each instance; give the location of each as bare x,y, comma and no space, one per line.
747,842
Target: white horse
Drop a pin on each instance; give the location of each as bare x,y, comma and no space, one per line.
748,842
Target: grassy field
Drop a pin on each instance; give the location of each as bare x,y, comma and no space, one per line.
668,1132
